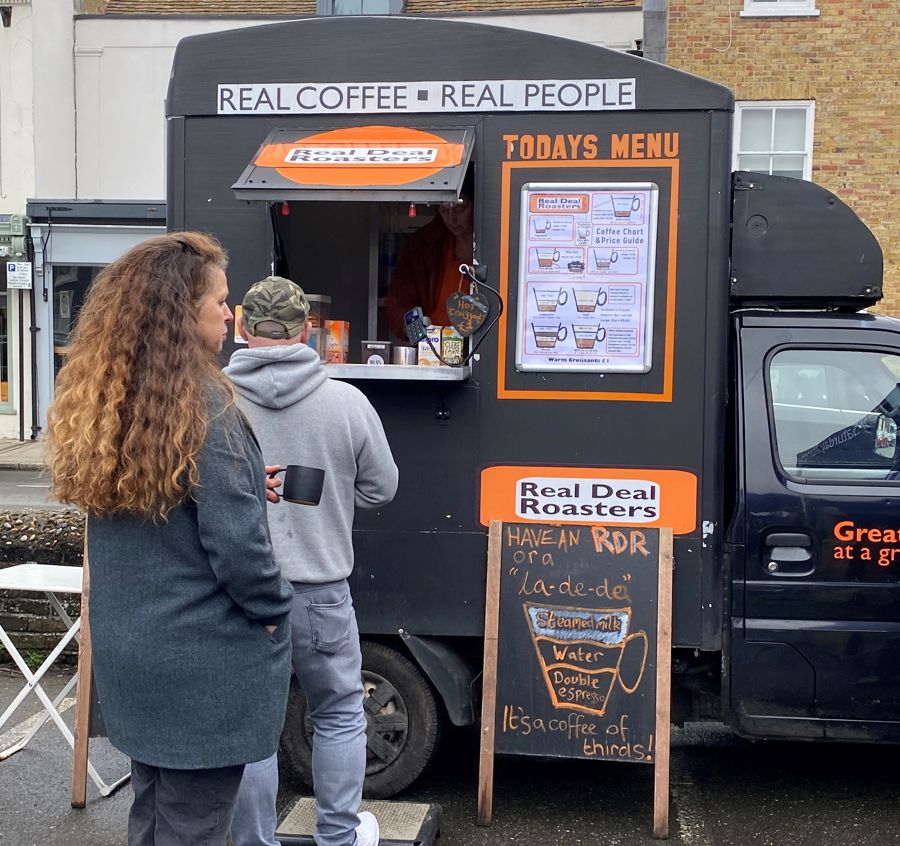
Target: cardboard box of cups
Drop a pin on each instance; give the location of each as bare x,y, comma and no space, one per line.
443,339
331,341
329,338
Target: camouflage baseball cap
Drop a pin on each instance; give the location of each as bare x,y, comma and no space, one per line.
275,300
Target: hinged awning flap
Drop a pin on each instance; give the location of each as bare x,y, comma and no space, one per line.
359,163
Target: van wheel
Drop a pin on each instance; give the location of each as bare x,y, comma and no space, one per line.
402,724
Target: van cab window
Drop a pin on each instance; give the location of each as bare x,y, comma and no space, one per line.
836,413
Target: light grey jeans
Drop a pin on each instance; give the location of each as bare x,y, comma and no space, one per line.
328,665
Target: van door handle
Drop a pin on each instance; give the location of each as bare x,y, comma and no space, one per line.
789,554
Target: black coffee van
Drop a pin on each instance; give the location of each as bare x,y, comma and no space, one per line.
667,344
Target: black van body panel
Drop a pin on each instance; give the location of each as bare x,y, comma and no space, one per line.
429,544
781,222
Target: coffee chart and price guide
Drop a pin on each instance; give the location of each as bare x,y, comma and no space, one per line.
587,256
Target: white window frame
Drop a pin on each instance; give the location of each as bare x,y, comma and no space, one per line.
326,7
779,8
747,105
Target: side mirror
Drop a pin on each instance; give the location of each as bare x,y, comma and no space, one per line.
885,437
890,405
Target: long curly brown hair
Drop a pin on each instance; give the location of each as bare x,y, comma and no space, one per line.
131,408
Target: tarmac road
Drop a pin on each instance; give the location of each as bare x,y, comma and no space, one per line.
25,489
724,792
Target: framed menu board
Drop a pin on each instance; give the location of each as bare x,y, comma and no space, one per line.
587,256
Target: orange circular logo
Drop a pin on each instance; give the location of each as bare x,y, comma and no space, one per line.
362,156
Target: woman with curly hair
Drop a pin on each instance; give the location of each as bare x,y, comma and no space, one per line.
188,611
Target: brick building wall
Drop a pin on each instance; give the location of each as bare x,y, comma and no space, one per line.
846,60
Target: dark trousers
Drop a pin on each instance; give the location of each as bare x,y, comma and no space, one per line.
182,807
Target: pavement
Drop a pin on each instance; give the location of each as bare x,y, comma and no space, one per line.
22,455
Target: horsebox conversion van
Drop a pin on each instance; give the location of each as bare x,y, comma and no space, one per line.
668,344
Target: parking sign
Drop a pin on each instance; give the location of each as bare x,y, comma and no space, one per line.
18,275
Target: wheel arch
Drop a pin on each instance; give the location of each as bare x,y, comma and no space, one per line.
448,672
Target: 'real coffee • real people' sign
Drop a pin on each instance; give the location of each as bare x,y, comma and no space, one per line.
511,95
577,645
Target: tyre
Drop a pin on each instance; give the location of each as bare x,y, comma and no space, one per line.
402,724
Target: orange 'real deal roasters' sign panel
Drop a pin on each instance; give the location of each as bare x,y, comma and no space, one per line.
587,496
363,155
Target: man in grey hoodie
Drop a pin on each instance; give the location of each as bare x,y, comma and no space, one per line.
300,416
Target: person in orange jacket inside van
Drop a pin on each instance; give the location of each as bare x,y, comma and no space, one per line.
428,269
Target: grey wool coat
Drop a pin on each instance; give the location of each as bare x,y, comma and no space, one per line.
186,674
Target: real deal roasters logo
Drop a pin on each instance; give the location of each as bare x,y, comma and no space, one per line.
622,500
317,155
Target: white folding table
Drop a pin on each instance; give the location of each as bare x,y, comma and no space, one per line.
49,579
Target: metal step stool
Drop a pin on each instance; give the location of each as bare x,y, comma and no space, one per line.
401,823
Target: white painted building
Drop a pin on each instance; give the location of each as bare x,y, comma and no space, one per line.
95,171
16,185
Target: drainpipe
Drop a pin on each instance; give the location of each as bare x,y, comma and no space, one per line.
33,329
656,16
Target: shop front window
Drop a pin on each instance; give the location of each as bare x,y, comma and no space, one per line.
5,356
70,286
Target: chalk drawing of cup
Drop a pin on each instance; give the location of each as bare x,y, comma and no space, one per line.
547,301
604,258
541,225
547,257
587,336
581,652
623,206
546,336
587,300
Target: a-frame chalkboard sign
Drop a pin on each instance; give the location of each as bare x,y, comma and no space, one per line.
577,649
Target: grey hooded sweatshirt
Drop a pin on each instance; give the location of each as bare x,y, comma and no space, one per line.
300,416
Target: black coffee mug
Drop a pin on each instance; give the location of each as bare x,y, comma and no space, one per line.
302,485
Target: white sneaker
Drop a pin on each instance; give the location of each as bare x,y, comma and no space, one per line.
367,832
